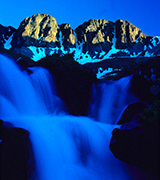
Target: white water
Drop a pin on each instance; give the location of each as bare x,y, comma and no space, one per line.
109,100
65,147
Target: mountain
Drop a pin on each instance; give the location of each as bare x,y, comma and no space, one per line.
92,42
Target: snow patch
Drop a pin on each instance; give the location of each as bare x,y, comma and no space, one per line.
135,55
107,72
155,40
147,54
53,51
113,49
61,43
7,44
137,40
38,52
101,73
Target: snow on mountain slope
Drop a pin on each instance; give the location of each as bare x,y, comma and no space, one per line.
92,42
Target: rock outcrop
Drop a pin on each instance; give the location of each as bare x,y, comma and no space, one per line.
67,36
145,83
131,111
137,142
17,160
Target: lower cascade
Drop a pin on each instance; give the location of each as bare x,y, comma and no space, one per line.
66,147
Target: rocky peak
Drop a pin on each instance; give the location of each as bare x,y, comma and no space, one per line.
127,33
94,40
37,30
68,34
95,31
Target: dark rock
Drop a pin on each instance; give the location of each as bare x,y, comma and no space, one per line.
68,37
17,160
137,142
22,50
73,81
22,62
131,111
5,33
146,82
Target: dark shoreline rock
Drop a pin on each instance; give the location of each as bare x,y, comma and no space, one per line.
17,161
145,83
138,142
132,110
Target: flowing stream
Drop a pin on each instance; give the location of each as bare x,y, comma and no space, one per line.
65,147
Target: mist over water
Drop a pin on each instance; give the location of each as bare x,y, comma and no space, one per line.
65,147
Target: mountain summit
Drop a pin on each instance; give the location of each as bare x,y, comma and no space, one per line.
93,41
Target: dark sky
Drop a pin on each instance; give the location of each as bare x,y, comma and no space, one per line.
145,14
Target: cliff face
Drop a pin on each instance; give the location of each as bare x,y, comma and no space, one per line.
93,41
38,30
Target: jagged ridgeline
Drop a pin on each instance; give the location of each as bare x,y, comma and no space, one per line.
93,41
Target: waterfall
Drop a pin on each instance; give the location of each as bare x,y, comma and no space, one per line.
25,94
65,147
109,100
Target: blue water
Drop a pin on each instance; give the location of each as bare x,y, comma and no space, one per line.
109,99
66,147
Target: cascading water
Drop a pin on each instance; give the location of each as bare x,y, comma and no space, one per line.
24,94
65,147
109,99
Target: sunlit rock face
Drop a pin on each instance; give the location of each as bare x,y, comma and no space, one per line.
128,33
38,30
96,35
130,37
95,31
93,41
68,36
42,30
